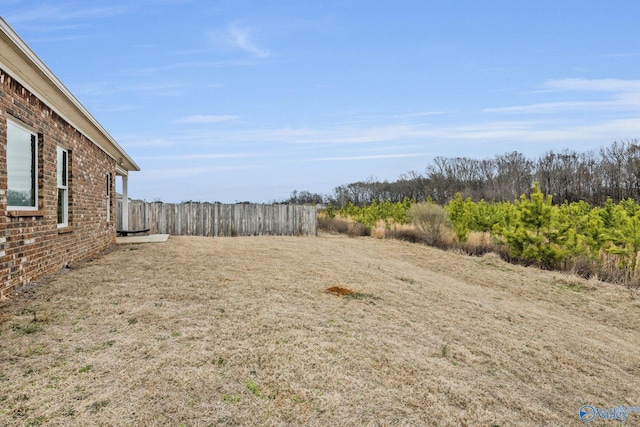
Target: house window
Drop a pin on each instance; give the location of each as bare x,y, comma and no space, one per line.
62,175
22,168
108,197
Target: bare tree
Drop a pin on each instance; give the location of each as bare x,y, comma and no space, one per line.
613,171
613,162
514,175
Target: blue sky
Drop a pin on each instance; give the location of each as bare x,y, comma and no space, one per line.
248,100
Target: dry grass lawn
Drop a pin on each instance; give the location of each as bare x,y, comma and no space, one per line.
243,332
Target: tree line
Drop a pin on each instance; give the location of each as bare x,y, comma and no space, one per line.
566,175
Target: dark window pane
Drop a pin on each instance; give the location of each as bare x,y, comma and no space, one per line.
61,206
62,168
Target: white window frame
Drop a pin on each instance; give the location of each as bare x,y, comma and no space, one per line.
12,128
62,181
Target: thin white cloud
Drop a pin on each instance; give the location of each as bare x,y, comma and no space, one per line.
117,108
599,85
621,55
188,65
164,173
202,118
107,88
388,134
61,39
130,141
60,12
369,157
545,131
421,114
328,141
392,135
237,37
555,107
206,156
244,40
623,95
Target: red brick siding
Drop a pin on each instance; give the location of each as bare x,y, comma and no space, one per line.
31,245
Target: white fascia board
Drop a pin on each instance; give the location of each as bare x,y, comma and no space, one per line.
120,171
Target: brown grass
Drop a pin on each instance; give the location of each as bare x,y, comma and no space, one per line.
242,331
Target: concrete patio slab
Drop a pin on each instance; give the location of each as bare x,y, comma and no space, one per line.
153,238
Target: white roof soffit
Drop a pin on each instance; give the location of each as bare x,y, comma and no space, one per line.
17,59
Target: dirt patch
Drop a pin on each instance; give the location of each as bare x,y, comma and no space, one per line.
340,291
349,294
243,331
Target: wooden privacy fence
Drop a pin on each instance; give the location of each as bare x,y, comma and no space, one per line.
215,219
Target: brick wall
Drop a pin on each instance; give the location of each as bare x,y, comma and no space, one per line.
31,244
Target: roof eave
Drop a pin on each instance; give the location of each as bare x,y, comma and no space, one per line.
41,81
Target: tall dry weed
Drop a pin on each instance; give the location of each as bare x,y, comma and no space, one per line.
610,270
432,221
342,226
